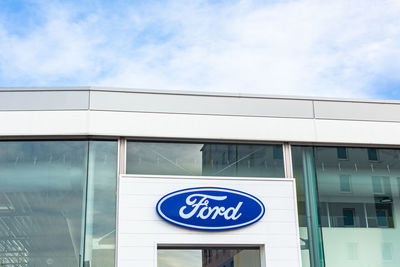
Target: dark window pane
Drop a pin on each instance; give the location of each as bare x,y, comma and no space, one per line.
372,154
341,153
278,153
348,217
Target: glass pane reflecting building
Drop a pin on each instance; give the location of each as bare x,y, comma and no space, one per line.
212,159
48,202
356,201
83,172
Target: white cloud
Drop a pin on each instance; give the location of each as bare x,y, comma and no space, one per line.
307,47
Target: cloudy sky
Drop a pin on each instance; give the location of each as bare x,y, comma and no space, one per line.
336,48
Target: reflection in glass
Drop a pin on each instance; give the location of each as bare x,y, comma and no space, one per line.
359,217
208,257
205,159
310,234
41,202
100,214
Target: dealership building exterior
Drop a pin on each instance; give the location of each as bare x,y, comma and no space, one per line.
102,177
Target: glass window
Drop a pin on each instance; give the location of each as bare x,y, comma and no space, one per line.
43,203
208,257
345,186
244,160
361,227
42,197
341,153
100,214
308,207
372,154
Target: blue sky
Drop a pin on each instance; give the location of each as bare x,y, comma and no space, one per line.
334,48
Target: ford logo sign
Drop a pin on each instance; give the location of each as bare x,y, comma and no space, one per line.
210,208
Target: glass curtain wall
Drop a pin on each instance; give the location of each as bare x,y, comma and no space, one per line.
206,159
43,201
357,198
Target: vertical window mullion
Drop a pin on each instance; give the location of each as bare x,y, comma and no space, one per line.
122,154
287,160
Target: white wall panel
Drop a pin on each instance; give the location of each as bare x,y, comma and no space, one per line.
26,123
362,132
200,126
280,215
201,104
44,100
140,229
340,110
146,239
186,126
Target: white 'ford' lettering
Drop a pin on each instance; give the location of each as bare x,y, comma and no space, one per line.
199,204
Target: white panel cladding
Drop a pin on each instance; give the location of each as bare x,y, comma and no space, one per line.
156,114
201,104
200,126
185,126
140,229
361,132
39,123
340,110
44,100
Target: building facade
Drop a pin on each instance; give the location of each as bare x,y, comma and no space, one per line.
83,172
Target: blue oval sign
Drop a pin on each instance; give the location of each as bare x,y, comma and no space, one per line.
210,208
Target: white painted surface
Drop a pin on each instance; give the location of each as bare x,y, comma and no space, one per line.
341,110
190,126
163,125
140,229
156,114
359,132
30,123
197,104
44,100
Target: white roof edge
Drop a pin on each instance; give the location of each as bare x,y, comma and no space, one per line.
194,93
